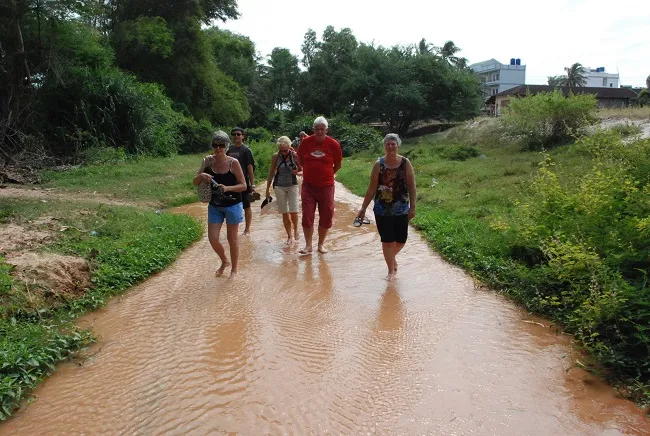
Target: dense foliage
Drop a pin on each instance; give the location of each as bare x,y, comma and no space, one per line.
147,78
548,118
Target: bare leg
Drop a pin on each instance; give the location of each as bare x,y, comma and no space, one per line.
309,233
232,230
213,237
248,216
388,248
322,234
286,220
398,248
294,221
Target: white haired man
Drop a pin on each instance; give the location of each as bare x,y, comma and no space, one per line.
320,156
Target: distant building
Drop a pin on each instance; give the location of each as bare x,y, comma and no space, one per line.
598,78
606,97
496,77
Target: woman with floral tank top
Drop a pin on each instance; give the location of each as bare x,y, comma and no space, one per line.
392,185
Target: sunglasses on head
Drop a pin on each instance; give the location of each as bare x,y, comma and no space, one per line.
218,145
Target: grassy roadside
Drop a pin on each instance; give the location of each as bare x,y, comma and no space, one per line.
122,246
473,192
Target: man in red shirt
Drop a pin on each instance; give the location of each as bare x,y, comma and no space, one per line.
320,156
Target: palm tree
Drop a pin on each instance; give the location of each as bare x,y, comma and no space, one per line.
557,80
448,53
575,75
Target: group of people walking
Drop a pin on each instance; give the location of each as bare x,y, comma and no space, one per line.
230,170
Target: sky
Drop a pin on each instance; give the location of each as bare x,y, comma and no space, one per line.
546,35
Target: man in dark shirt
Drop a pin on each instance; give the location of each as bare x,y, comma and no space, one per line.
243,154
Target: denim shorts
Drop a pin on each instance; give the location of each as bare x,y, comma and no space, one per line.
232,214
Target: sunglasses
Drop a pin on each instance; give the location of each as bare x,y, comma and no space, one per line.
237,134
218,145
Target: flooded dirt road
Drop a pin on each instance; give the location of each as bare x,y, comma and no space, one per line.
321,345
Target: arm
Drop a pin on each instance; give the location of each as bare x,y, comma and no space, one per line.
251,176
269,179
200,175
410,184
298,170
239,175
250,168
338,158
372,188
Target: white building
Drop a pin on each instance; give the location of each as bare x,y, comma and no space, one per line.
598,78
497,77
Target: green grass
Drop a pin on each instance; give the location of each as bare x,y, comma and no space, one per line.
124,245
483,187
167,181
163,181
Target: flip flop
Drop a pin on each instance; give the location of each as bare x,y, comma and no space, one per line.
266,201
358,221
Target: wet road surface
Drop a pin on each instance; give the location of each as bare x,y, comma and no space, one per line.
321,344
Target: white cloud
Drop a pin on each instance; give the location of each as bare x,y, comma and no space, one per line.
547,36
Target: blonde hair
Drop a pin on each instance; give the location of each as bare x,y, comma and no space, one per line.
284,140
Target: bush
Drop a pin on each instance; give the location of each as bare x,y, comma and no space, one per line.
259,134
108,108
547,119
195,136
353,138
627,129
459,152
594,237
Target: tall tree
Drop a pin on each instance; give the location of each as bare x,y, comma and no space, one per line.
283,76
309,47
189,73
575,75
448,52
424,48
234,54
323,86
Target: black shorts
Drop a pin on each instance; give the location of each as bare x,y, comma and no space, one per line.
393,228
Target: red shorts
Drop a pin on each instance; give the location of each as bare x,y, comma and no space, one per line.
321,196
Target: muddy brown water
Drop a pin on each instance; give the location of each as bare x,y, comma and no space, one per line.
322,345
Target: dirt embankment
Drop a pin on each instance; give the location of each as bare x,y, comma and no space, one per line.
42,276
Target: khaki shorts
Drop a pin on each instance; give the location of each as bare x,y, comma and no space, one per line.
287,198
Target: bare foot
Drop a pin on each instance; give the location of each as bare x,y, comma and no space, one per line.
395,266
306,250
296,237
247,232
289,241
233,274
391,277
222,268
322,249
